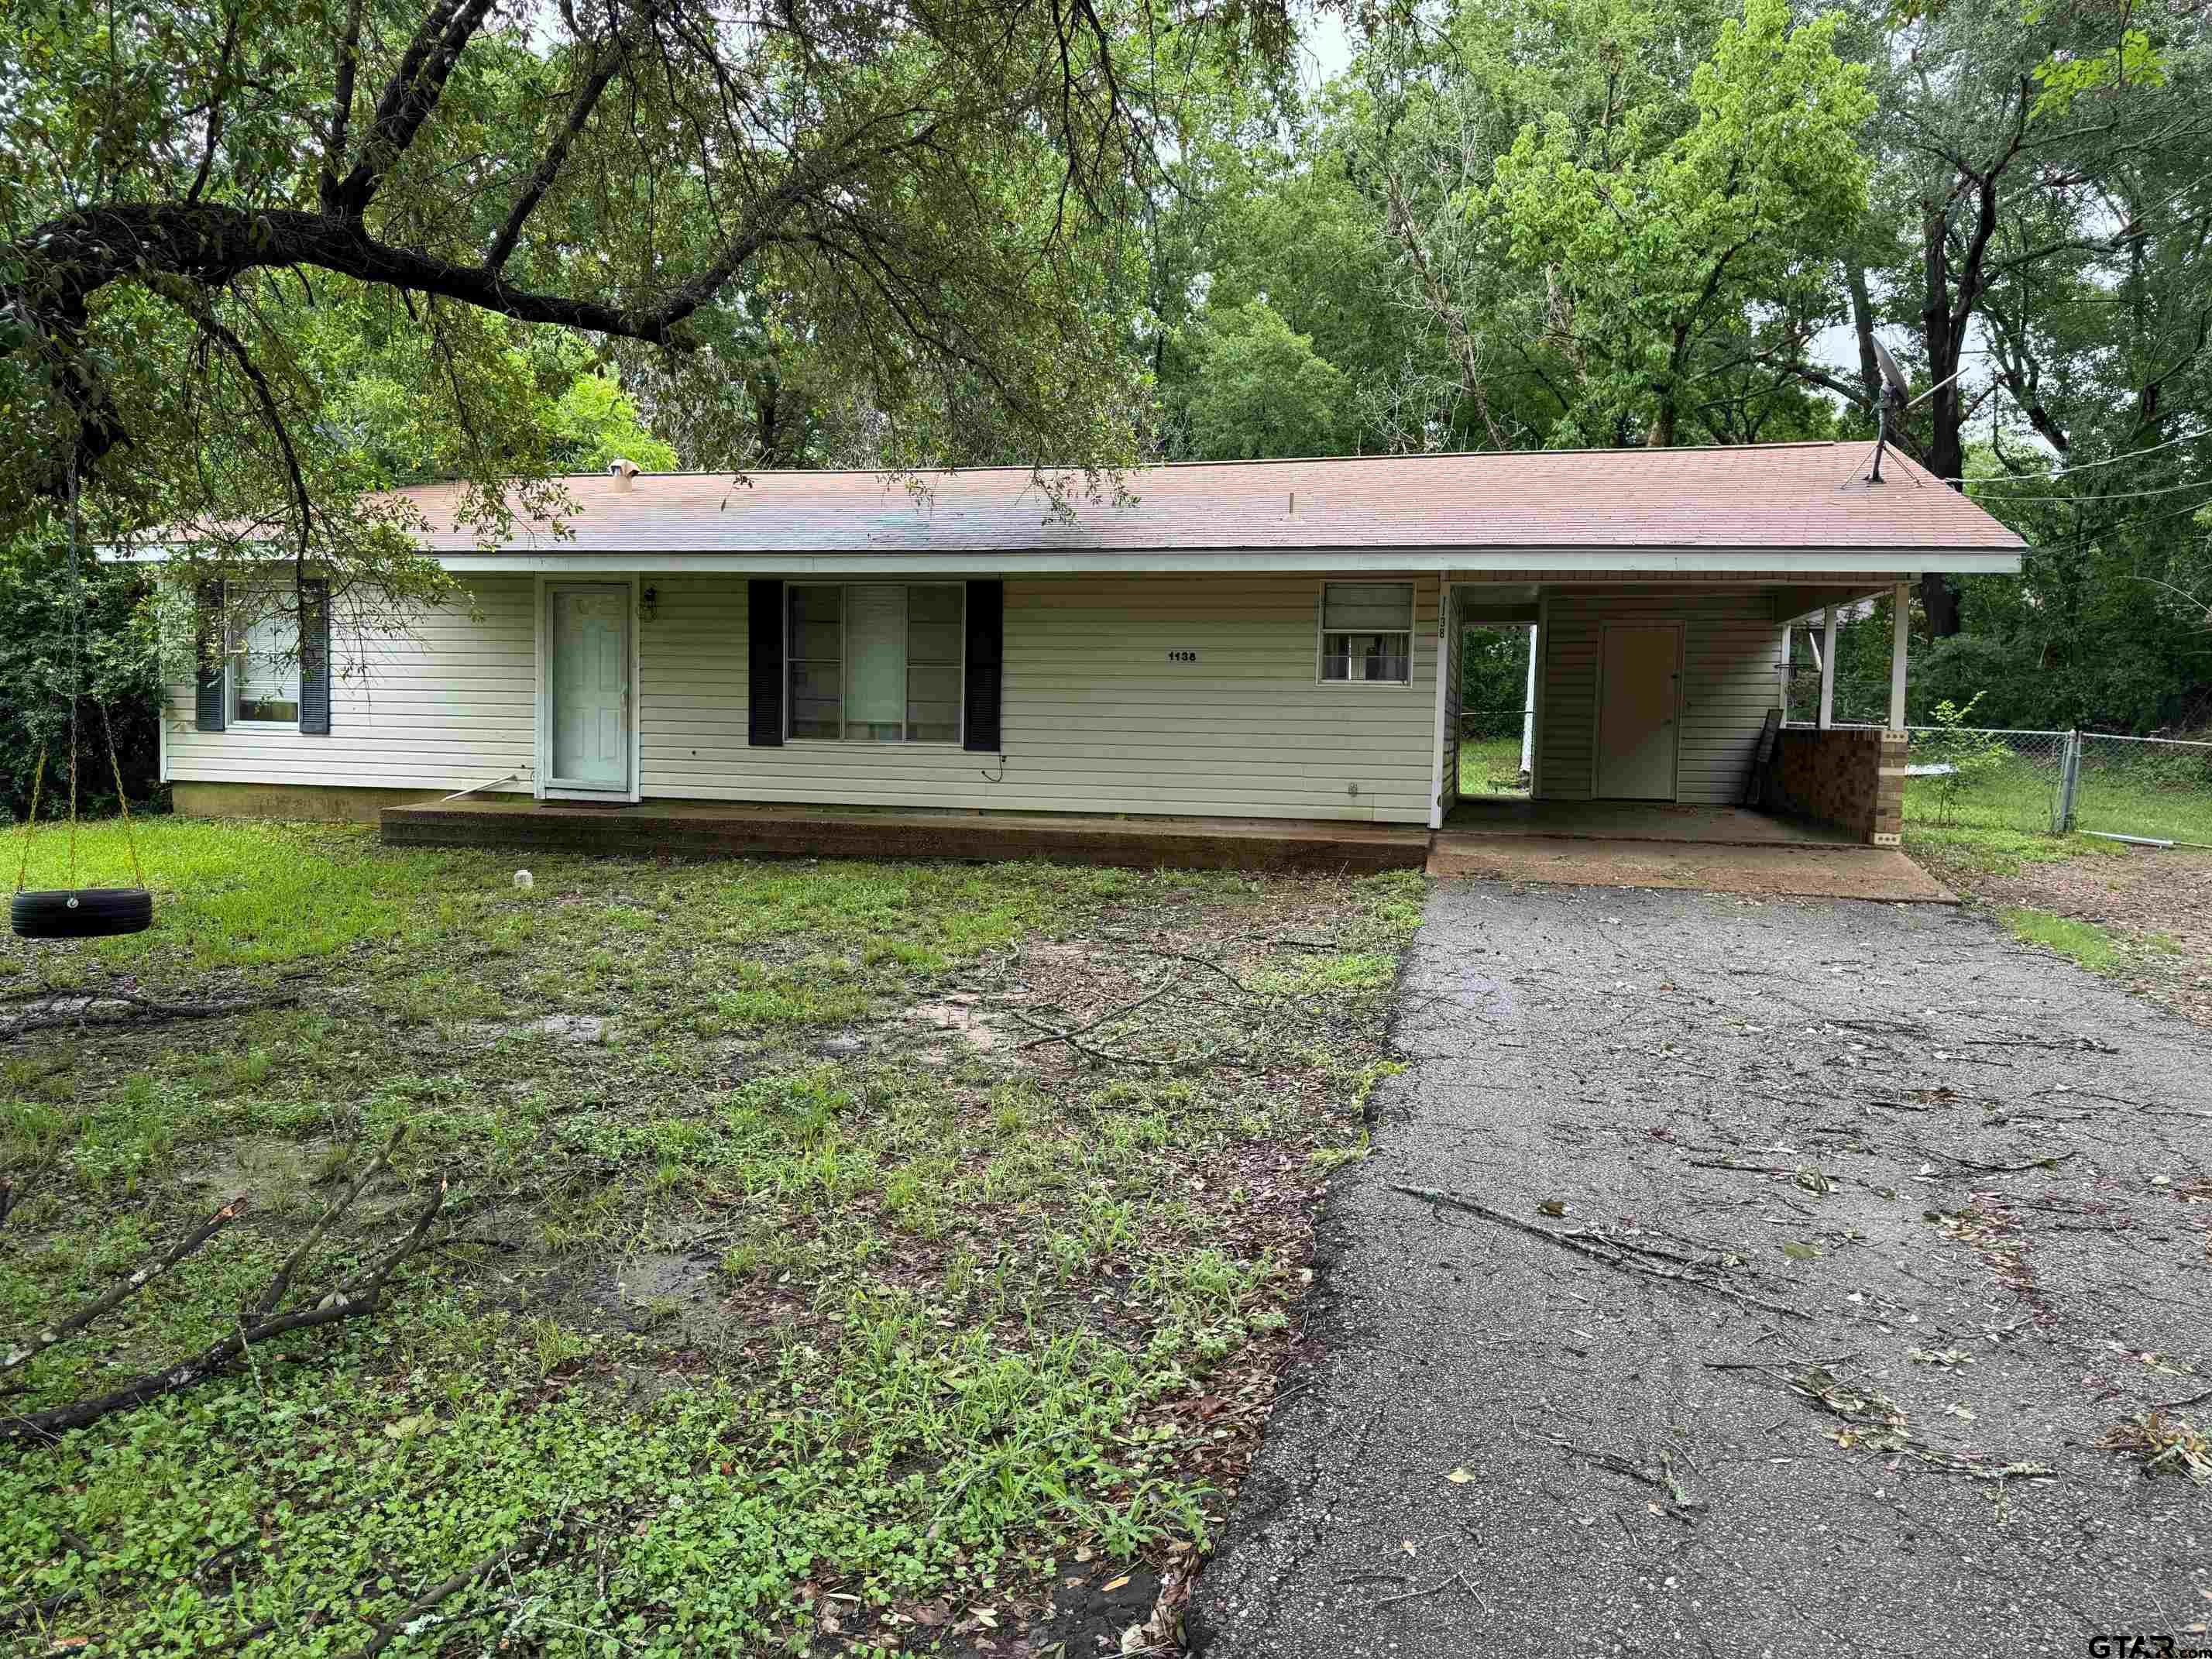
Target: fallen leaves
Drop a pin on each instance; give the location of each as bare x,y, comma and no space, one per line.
2165,1444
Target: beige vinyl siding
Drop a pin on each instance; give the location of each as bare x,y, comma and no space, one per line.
1097,719
1730,642
450,704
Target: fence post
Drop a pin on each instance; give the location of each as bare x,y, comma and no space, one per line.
2070,781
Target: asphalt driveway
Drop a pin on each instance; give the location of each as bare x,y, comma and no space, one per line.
1968,1182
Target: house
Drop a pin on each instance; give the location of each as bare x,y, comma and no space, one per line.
1256,641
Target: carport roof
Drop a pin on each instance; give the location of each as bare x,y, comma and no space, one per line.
1807,497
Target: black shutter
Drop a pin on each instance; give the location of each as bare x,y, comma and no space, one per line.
315,657
209,642
764,663
987,652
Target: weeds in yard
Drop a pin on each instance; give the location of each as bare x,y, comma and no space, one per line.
909,1325
1985,851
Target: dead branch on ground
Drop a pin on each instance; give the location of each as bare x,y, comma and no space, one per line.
1053,1033
113,1007
125,1288
1659,1476
1598,1247
429,1600
265,1318
1874,1423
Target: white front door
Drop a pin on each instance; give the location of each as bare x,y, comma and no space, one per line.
1639,677
587,674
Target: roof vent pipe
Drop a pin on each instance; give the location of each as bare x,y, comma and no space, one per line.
622,472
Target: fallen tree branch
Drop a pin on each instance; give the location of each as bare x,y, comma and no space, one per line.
123,1288
1659,1476
358,1295
1184,955
84,1009
1596,1246
2049,1163
1055,1035
429,1599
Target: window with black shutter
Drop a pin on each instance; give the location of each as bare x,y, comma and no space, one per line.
986,651
764,663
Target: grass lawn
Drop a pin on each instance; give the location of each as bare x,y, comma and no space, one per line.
1491,766
2121,792
821,1301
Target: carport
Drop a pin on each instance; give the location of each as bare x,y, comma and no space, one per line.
1656,701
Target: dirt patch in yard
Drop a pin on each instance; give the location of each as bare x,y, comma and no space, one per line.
2153,909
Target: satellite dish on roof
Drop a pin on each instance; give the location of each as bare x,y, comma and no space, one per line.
1894,391
1892,375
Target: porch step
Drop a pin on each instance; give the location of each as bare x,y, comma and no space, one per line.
708,829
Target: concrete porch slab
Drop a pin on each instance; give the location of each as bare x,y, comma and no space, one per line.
1639,820
1781,871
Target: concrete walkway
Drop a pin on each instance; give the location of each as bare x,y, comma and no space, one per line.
1499,1446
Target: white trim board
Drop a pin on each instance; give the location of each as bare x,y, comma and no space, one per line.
1597,563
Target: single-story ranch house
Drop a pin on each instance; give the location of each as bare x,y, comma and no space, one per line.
1254,641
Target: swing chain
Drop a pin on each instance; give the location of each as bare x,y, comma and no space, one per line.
122,798
37,781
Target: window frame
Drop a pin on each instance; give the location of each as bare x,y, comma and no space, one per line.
791,660
1411,631
234,659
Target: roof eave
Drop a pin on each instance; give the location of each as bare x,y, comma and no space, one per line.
1564,560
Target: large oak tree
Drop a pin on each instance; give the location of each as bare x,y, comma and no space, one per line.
209,209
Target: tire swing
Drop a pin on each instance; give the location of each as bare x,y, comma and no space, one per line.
75,912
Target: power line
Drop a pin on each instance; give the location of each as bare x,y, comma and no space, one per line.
2118,495
2061,471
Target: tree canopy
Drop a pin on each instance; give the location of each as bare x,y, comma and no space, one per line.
214,214
261,258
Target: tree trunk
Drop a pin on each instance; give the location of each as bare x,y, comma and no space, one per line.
1945,338
1855,278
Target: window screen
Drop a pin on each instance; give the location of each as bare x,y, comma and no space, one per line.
1367,631
875,662
264,665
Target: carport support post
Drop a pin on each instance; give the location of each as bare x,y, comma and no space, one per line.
1900,636
1529,708
1828,668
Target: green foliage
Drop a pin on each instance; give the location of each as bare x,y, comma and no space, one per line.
1973,756
2136,59
71,648
257,261
1662,224
1262,391
2086,943
1493,681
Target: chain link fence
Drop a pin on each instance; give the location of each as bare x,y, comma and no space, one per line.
2156,789
1983,778
2047,782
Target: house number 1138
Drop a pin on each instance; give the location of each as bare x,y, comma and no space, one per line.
1185,655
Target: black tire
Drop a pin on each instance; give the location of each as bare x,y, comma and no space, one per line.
82,913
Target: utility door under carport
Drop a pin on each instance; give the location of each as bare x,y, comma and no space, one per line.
1639,703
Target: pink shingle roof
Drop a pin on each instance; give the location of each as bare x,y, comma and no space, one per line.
1810,495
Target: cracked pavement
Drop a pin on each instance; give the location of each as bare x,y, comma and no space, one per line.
1647,1467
